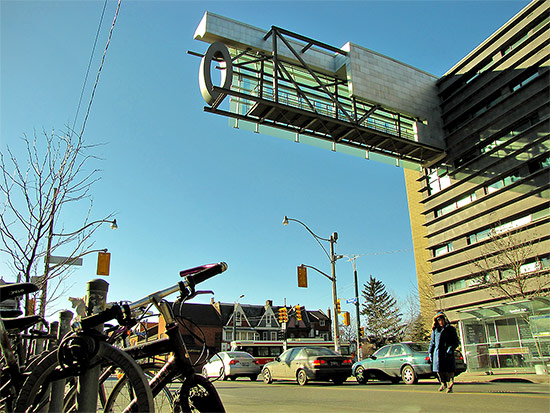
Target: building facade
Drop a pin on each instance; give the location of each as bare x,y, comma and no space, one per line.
474,145
481,218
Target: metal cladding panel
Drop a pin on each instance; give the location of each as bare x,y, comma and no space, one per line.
214,27
397,86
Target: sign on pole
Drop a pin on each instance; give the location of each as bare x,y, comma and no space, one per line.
302,276
64,260
103,263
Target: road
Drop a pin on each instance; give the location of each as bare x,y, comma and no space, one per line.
245,396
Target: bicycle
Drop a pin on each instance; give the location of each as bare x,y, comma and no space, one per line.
13,349
86,348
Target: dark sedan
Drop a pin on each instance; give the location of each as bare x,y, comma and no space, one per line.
308,363
401,361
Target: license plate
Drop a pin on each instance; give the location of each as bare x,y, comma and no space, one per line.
245,364
334,363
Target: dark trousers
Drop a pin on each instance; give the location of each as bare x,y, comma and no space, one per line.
446,377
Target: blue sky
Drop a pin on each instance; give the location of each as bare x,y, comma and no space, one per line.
186,188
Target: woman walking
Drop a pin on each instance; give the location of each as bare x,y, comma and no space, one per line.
443,343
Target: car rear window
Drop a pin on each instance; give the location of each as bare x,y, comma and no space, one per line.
238,354
320,352
419,346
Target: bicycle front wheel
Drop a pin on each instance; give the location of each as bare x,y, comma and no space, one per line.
123,393
36,394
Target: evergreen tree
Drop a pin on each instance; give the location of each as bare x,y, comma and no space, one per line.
384,321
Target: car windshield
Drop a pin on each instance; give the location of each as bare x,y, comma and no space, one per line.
238,354
418,346
320,352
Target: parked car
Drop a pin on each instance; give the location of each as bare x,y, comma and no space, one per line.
232,364
308,363
401,361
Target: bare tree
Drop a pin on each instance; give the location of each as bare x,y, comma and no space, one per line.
51,173
509,266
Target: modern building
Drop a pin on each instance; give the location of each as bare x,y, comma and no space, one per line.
473,143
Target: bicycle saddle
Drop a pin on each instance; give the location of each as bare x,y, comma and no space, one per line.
8,291
21,323
10,313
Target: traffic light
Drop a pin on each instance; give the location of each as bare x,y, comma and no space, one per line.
302,276
362,331
346,318
283,315
338,309
298,313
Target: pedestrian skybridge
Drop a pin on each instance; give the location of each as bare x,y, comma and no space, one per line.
284,84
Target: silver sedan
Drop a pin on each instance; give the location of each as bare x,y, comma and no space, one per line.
230,365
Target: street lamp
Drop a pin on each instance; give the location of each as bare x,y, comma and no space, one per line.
234,317
332,257
49,246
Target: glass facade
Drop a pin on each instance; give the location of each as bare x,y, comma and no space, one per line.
513,335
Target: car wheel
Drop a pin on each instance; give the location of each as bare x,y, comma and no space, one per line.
222,374
253,377
301,377
204,372
267,376
408,375
361,376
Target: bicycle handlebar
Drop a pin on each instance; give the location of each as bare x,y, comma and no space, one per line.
202,273
193,276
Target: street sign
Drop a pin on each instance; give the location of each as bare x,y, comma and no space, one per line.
63,260
351,300
302,276
103,263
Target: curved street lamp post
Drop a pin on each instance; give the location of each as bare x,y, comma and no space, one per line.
332,257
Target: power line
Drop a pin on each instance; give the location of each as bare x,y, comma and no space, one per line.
100,67
90,63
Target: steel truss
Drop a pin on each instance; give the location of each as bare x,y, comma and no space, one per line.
287,94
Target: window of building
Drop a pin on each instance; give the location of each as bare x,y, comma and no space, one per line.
322,323
438,179
238,319
519,83
455,205
444,249
501,183
538,164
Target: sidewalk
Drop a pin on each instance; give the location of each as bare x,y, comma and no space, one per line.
481,377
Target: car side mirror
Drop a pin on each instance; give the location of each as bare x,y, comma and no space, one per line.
373,357
277,359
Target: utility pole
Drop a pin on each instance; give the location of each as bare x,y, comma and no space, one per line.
358,320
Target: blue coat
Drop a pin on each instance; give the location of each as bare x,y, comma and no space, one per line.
443,343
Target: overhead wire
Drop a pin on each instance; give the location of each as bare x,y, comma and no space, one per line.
89,64
100,68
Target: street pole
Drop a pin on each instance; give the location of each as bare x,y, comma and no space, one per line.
333,239
332,257
358,323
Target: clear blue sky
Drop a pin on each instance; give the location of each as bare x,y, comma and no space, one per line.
186,188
